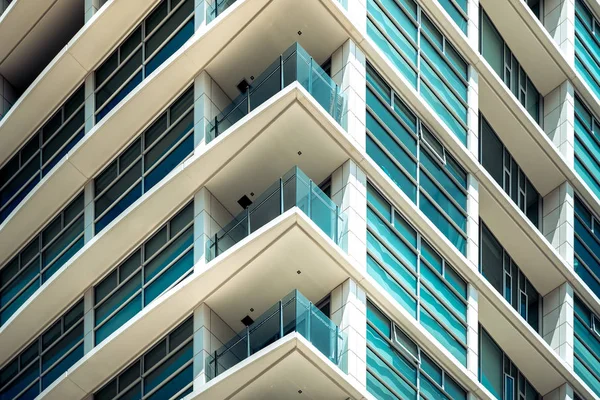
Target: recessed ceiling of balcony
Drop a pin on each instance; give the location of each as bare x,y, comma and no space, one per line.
25,54
274,30
270,276
274,152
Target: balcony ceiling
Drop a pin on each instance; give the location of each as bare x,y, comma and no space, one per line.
275,29
33,32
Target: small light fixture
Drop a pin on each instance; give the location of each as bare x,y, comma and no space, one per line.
244,202
299,153
299,33
247,321
252,310
299,391
298,272
252,194
251,77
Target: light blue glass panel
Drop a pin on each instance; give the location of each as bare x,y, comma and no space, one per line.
455,14
62,366
443,315
391,286
447,229
171,47
391,169
391,239
120,318
459,130
401,272
440,333
442,291
170,276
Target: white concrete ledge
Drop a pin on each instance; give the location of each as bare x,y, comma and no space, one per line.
279,371
70,66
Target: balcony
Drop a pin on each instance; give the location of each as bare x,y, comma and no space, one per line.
295,64
294,189
293,313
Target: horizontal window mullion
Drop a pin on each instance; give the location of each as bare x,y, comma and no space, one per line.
589,268
443,278
448,85
61,148
393,229
443,56
585,365
62,230
168,379
118,68
396,24
590,132
62,335
393,159
409,63
448,307
590,151
118,90
57,362
125,390
19,374
65,250
447,329
585,167
391,108
393,252
166,357
591,74
170,127
37,380
167,243
119,286
64,123
120,174
108,317
148,58
458,184
35,156
392,135
393,274
21,269
442,189
592,234
21,189
393,368
20,292
444,214
592,36
442,101
163,22
112,205
461,11
159,274
168,153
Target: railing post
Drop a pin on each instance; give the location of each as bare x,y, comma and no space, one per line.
310,68
248,340
216,245
337,227
309,208
216,126
248,219
308,321
248,98
216,364
280,319
335,347
281,80
335,103
281,205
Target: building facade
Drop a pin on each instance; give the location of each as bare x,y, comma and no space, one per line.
323,199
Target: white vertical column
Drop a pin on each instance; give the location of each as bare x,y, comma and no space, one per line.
559,117
90,8
559,20
563,392
473,24
200,9
210,216
473,112
473,221
88,297
349,192
349,313
557,321
473,331
210,334
357,12
348,70
558,221
209,100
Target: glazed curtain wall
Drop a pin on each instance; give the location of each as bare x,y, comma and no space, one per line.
587,46
424,56
420,280
398,369
587,345
416,160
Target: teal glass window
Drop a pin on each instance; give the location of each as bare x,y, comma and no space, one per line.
498,161
457,9
416,276
159,36
499,374
587,146
587,46
506,277
166,371
46,358
36,158
497,53
161,262
397,368
587,246
41,258
155,153
424,57
416,160
587,345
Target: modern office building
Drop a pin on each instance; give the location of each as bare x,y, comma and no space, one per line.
300,199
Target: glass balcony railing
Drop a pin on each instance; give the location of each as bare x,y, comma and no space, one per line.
293,313
294,189
293,65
